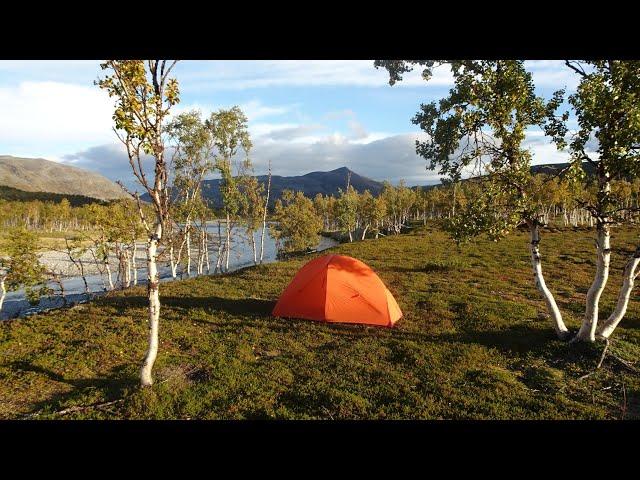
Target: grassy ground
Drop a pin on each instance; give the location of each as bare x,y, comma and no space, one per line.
46,240
474,343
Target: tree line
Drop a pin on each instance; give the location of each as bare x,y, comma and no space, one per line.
199,237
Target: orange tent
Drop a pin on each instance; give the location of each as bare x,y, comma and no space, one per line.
337,288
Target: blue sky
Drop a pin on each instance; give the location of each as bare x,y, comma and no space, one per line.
303,115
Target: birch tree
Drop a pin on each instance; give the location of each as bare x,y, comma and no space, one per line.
480,128
144,94
22,268
296,224
75,250
264,214
366,212
254,214
608,112
346,210
230,136
191,161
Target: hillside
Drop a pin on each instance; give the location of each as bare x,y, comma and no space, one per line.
40,175
13,194
479,347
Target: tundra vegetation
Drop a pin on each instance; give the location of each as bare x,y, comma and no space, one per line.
472,344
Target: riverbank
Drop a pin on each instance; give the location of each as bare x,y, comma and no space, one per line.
60,262
75,289
474,343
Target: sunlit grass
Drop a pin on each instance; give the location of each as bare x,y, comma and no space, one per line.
474,342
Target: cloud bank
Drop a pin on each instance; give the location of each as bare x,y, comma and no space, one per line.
391,158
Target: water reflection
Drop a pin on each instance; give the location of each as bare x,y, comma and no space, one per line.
16,305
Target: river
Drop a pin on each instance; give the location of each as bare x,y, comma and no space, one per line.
16,305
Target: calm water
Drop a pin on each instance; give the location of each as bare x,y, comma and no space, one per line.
16,305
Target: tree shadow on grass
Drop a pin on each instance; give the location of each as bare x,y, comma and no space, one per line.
232,306
113,385
121,304
518,339
522,340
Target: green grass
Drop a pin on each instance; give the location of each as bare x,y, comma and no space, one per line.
46,240
474,342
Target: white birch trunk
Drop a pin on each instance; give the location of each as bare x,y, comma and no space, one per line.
264,216
219,260
536,263
201,254
589,325
127,275
188,251
364,232
134,264
174,264
220,250
108,269
84,278
153,293
3,291
255,250
206,252
228,250
629,276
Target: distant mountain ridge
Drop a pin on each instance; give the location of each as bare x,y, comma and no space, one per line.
546,169
326,183
40,175
554,168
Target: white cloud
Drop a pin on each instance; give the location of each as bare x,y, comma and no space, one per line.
391,158
265,129
358,132
552,74
67,71
255,109
239,75
208,75
61,117
292,133
382,157
54,113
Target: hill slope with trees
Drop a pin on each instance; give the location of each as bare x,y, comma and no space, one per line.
40,175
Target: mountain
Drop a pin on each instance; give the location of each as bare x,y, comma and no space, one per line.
310,184
554,168
40,175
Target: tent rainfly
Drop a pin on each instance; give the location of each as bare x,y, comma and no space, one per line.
341,289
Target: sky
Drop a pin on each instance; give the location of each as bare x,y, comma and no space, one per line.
303,115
